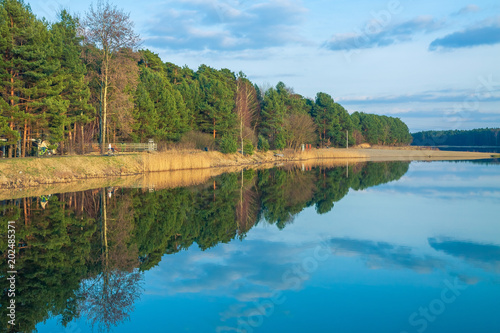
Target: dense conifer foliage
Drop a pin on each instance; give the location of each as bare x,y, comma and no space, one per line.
475,137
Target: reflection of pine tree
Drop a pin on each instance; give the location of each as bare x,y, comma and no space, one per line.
374,174
333,185
285,194
55,247
215,212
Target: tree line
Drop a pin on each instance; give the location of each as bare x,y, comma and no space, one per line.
475,137
80,82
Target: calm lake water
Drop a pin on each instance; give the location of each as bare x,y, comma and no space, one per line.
375,247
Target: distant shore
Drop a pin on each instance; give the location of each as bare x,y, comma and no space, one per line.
33,172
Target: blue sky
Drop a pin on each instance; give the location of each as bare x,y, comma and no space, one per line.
433,64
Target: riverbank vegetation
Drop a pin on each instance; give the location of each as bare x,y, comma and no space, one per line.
63,84
33,172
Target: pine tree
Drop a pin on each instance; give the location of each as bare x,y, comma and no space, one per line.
159,108
15,19
31,85
66,46
273,118
146,117
323,113
218,101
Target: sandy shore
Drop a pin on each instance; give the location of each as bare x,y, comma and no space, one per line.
422,155
75,173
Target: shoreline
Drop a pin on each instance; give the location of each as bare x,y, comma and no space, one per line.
22,173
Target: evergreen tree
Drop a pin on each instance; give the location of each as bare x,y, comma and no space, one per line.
67,48
160,110
273,118
31,83
218,101
323,113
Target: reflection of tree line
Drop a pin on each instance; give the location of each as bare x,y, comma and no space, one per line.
82,254
64,266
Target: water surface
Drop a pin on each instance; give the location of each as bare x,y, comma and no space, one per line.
372,247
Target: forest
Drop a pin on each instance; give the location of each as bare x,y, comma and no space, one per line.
81,83
83,254
475,137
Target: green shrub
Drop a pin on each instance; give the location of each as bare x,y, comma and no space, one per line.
228,145
247,147
280,141
263,144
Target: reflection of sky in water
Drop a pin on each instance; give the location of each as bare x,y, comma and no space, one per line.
378,257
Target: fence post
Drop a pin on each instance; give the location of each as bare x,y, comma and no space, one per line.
151,145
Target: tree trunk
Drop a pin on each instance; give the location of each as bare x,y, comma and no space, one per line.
104,223
24,143
83,141
11,88
104,103
104,115
70,141
11,154
240,112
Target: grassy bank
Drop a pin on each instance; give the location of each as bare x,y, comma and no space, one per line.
31,172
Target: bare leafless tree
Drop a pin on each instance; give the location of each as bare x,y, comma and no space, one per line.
300,129
247,108
110,30
125,75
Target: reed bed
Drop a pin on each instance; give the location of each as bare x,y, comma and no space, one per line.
179,178
326,154
176,160
327,163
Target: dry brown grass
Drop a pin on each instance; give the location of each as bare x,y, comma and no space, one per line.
153,180
68,187
173,179
24,172
325,154
327,162
176,160
417,154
